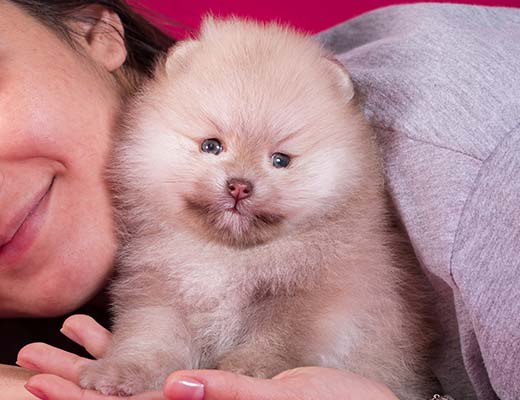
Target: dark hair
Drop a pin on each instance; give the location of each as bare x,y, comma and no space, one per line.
145,43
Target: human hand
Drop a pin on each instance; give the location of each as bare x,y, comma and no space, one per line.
59,370
309,383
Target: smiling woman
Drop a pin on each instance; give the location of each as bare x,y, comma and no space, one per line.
61,91
65,68
53,144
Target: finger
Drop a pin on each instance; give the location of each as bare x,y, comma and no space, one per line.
223,385
41,357
86,332
52,387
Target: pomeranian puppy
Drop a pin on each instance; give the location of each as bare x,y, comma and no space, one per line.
255,234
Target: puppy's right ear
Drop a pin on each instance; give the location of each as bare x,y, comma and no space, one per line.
179,55
343,78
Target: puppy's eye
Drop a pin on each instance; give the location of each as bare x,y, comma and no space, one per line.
281,160
212,146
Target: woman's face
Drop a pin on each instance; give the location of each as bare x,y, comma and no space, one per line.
56,117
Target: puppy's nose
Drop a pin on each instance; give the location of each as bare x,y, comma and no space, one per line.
240,188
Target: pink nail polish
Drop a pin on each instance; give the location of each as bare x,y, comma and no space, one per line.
36,392
185,389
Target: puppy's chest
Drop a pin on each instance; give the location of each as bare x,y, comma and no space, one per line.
221,291
218,307
210,280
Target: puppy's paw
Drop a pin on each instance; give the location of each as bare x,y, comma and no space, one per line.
116,376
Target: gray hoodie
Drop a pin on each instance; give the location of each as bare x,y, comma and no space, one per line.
441,83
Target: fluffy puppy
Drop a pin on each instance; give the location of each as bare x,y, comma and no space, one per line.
255,230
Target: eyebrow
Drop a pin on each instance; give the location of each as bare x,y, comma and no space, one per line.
197,138
289,137
214,125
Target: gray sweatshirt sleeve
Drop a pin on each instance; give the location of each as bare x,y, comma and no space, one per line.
441,86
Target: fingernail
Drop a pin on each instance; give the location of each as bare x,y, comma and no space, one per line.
27,365
36,392
184,389
71,335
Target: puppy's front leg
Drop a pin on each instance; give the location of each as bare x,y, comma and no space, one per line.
149,343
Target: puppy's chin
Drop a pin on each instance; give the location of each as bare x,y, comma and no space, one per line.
240,226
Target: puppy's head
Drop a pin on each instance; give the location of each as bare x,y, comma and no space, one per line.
248,131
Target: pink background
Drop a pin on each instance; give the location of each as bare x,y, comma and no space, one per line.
311,16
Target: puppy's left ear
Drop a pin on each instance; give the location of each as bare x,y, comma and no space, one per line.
343,78
102,36
179,54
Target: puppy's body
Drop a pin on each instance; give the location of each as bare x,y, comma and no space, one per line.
301,268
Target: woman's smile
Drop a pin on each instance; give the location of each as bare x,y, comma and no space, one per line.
17,237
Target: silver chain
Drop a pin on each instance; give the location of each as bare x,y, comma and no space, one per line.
439,397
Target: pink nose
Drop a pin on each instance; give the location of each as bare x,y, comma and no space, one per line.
239,189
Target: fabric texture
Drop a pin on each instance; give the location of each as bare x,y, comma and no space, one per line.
441,86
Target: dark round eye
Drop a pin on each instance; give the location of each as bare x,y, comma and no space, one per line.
281,160
212,146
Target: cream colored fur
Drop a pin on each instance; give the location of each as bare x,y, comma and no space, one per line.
310,272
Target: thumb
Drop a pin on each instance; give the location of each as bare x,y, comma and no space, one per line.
224,385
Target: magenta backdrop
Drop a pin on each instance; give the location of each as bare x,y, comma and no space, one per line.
309,15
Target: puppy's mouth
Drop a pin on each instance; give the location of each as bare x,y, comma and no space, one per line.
265,218
236,219
239,210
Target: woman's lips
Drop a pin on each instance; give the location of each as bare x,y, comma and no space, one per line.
23,230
